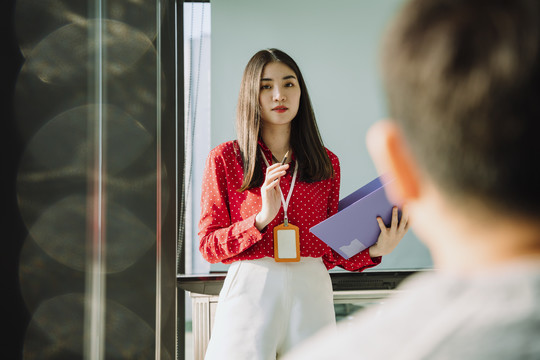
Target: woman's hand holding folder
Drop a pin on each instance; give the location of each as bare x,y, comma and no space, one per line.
390,236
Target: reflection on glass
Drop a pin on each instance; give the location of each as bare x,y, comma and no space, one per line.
88,108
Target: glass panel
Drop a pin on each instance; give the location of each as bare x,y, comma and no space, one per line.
93,185
353,98
351,23
197,122
196,29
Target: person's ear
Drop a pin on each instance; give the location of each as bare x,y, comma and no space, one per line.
393,158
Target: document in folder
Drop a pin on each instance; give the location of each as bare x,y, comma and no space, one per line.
354,227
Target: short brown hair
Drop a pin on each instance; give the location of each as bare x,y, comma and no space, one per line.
312,159
463,82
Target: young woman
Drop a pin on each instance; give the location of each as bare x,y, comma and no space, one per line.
277,174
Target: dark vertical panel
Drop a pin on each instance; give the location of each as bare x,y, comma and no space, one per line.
53,133
173,157
15,232
13,311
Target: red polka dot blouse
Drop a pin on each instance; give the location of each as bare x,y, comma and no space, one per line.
227,225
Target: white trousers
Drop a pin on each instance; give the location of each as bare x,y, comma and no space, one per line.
265,308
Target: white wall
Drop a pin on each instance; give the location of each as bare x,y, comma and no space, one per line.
335,43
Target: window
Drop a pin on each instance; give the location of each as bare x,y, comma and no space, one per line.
197,122
196,30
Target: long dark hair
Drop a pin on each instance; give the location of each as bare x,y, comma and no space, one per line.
311,156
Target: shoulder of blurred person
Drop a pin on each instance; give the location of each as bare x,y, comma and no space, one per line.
492,315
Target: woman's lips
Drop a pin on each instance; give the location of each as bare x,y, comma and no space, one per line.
280,109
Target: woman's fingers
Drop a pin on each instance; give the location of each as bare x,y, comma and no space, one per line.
270,178
404,222
397,223
382,226
275,172
271,199
277,166
394,223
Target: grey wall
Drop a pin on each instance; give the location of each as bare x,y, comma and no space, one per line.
335,43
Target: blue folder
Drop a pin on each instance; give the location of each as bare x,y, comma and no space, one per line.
355,227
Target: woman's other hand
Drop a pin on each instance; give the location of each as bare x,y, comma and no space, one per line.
271,195
390,237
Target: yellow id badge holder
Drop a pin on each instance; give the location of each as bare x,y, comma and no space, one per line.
286,243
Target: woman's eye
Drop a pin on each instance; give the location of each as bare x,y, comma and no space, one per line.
289,85
265,87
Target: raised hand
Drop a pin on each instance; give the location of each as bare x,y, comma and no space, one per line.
270,194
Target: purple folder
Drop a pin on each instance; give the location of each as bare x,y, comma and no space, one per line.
355,228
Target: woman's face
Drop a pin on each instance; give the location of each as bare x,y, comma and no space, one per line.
279,97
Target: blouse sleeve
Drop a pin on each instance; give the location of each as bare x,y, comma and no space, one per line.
219,238
358,262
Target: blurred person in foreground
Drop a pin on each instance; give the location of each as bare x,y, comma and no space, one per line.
463,84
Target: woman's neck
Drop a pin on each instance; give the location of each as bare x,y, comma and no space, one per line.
277,139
